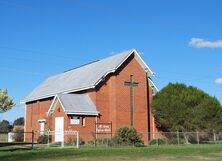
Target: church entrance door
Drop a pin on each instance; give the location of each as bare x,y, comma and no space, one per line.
59,129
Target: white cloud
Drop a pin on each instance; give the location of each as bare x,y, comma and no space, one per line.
218,81
201,43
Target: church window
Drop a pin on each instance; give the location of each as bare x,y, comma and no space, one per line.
41,124
83,121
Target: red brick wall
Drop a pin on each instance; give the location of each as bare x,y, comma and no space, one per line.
34,111
113,98
153,128
140,97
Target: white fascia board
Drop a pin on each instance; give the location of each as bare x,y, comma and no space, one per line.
54,94
82,113
142,63
61,103
38,98
131,52
52,104
153,85
103,77
113,70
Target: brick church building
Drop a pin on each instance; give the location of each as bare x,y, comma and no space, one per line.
98,97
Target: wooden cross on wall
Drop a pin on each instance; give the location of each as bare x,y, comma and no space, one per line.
131,84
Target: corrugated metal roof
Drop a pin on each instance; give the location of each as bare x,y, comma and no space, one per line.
77,104
84,77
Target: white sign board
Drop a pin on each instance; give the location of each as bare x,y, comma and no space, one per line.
75,120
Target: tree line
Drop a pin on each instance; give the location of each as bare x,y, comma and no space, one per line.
5,126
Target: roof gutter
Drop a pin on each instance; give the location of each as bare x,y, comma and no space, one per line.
82,113
54,94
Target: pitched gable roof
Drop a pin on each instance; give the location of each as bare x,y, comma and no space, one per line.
79,104
83,77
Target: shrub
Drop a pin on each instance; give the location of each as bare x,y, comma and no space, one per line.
18,133
18,137
157,142
91,142
175,141
128,136
102,141
99,141
73,141
43,139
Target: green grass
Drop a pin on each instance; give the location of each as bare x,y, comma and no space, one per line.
189,152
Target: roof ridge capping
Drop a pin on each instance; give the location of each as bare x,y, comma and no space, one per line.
113,55
81,66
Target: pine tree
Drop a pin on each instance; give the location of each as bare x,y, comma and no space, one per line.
178,107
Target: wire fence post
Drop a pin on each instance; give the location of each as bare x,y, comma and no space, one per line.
77,141
178,138
32,139
63,138
215,139
95,140
95,136
148,138
157,137
48,131
198,140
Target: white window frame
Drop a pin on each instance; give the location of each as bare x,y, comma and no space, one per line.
83,121
41,126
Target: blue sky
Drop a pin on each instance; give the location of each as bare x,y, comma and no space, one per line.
179,40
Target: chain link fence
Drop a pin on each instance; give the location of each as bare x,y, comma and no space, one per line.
15,140
74,139
183,138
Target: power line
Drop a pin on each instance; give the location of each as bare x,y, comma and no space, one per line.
14,4
38,60
182,73
24,72
28,60
27,51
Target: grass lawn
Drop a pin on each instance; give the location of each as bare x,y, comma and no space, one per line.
189,152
